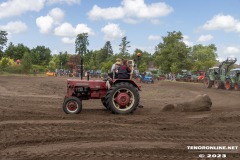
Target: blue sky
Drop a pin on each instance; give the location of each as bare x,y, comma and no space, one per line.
55,23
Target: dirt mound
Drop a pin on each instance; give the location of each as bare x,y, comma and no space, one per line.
199,103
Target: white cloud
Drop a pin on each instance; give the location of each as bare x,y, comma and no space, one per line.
205,38
232,50
17,7
131,21
57,14
46,23
138,8
154,37
155,21
228,51
70,2
67,30
131,9
109,13
186,41
223,22
112,31
68,40
14,27
83,28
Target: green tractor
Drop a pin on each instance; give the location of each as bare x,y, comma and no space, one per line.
217,76
233,79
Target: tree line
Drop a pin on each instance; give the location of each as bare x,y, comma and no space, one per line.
171,55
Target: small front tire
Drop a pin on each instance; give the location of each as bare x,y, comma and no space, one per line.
217,84
228,84
72,105
207,82
236,87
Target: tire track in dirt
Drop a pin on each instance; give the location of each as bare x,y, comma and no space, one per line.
99,155
219,117
35,136
95,154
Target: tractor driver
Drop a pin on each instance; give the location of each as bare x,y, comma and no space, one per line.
124,70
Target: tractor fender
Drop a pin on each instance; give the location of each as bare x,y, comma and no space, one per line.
115,81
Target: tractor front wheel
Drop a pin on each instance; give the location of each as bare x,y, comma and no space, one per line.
122,98
217,84
228,84
72,105
207,82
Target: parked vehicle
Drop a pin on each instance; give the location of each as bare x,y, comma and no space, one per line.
146,79
184,75
198,76
233,79
217,76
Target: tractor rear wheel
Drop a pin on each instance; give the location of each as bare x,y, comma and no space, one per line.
228,84
72,105
122,98
217,84
236,87
207,82
104,102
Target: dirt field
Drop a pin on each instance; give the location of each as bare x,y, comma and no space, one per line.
33,125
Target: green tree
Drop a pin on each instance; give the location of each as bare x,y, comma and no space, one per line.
108,48
144,57
6,62
73,61
81,44
52,65
92,63
3,41
124,45
106,67
203,57
16,51
104,53
41,55
63,59
143,67
26,62
172,51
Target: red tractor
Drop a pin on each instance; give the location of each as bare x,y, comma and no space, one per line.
120,96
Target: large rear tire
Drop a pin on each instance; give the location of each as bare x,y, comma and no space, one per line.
122,98
228,84
72,105
207,82
104,103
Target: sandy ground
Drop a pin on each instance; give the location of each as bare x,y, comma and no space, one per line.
33,125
